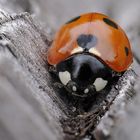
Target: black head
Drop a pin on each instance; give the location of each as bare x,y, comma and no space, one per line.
83,74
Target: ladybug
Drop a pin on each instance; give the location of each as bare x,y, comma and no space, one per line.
88,52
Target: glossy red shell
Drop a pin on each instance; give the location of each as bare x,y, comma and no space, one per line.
113,47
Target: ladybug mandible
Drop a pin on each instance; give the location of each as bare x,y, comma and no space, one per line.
87,51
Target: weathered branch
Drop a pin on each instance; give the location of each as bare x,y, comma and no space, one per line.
20,88
128,127
21,116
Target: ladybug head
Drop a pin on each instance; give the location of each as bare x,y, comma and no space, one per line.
83,74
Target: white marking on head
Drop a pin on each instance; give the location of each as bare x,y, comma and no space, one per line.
94,51
100,84
86,90
64,77
106,54
77,50
74,88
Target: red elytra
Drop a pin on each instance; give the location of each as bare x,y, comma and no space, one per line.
112,47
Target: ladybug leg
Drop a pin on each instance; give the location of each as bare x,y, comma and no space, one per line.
116,74
52,69
58,85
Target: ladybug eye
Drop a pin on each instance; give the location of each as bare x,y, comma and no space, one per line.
74,88
86,91
110,23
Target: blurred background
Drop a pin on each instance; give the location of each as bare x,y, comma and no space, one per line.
57,12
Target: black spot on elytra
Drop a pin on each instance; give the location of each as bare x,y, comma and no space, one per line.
87,41
126,51
111,23
72,20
